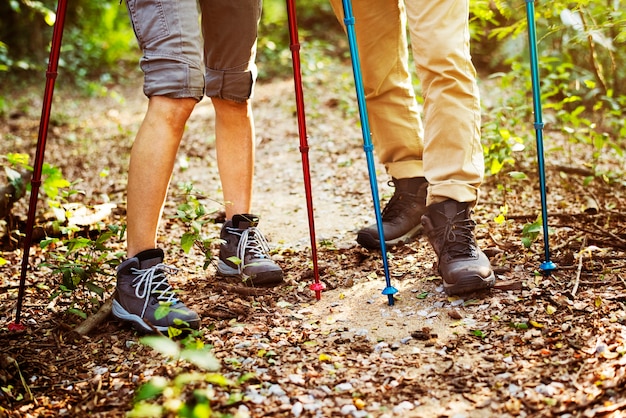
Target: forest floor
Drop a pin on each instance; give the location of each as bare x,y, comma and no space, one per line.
534,346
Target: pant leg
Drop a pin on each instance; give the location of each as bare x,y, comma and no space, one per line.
393,112
230,29
453,155
169,37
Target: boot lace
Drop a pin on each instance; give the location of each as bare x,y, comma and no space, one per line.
251,243
398,205
153,281
458,237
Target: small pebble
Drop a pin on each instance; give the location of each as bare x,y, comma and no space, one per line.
101,370
297,409
403,407
276,390
296,379
326,389
454,314
380,346
348,409
344,387
313,406
243,411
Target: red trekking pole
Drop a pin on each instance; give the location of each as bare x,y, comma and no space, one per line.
317,287
51,74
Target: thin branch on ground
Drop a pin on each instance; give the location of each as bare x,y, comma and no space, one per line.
580,267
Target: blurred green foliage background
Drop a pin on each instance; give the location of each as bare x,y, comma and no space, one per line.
581,44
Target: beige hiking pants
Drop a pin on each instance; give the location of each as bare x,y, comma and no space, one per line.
446,147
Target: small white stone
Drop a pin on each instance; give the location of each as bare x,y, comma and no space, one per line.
348,409
325,389
313,406
296,379
403,407
276,390
380,346
243,411
297,409
344,387
101,370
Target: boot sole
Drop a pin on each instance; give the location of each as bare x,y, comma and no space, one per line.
270,278
473,284
139,324
371,242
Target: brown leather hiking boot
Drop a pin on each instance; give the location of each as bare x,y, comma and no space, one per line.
463,266
401,216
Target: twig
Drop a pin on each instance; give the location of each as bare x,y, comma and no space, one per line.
498,243
574,170
621,296
243,290
612,235
593,56
580,267
566,242
96,319
611,408
26,388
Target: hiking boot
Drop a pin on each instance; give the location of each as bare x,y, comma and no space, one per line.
463,266
401,216
142,288
244,253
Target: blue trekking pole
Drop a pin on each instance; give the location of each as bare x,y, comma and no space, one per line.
546,266
367,141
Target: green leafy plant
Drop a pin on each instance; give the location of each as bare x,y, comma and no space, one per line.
84,264
194,215
531,231
56,187
196,384
318,31
580,73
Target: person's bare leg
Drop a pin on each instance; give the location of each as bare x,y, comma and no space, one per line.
234,132
151,164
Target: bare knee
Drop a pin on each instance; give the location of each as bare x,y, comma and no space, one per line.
230,107
171,110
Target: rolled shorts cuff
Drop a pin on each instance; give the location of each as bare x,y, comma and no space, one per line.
164,77
232,85
406,169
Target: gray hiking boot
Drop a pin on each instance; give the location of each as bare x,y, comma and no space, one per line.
401,216
142,288
244,253
463,266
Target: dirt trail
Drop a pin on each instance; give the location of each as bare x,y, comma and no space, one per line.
533,349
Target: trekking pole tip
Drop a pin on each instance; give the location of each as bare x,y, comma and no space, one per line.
390,291
547,267
16,327
318,287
